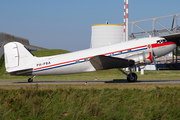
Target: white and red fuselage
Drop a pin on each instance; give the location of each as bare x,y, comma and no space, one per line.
141,51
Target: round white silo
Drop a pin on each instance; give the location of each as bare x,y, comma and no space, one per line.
106,34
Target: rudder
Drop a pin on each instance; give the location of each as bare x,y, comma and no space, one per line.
16,56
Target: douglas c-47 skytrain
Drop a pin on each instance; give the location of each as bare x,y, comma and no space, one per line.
19,61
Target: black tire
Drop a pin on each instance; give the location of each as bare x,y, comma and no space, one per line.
133,78
30,80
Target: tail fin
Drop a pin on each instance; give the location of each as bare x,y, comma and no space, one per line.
16,56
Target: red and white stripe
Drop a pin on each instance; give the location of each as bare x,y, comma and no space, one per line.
127,20
124,20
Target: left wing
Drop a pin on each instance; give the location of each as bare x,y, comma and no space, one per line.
102,62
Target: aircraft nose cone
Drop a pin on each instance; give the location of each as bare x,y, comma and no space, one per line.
166,48
172,45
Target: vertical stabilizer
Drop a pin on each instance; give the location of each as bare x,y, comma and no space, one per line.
16,56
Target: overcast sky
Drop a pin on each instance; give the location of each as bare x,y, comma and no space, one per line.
66,24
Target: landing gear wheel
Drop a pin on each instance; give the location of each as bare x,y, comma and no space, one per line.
30,80
132,77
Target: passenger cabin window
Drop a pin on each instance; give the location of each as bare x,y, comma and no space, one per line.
158,42
129,50
112,54
86,59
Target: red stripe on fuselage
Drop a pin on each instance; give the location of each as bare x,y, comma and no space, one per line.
125,50
54,65
162,44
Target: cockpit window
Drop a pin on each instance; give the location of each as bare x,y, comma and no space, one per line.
164,40
158,42
161,41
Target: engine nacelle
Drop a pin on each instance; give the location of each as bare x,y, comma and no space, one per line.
142,58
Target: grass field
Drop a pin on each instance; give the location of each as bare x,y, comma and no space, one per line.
109,104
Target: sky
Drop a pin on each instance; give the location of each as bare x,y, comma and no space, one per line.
66,24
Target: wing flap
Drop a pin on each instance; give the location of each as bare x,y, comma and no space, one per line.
101,62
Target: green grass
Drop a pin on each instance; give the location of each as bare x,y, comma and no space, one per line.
110,104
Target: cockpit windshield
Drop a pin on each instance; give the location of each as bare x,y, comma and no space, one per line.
161,41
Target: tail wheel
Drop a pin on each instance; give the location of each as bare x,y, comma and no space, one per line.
31,79
132,77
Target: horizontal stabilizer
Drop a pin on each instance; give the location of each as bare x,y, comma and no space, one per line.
22,72
101,62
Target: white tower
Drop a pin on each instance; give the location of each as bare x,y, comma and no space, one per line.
106,34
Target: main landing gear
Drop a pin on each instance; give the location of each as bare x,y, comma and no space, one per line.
31,79
131,77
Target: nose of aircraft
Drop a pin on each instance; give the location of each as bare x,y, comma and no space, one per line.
172,45
164,49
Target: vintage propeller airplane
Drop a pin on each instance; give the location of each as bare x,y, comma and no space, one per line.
19,61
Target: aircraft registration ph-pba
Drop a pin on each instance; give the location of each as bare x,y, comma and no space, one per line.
19,61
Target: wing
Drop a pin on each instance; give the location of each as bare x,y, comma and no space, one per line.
101,62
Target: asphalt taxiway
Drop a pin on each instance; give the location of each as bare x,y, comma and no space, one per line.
85,82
